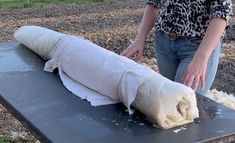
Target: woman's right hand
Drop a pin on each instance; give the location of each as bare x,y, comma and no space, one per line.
136,49
147,23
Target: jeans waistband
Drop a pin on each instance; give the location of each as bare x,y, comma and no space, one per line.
175,37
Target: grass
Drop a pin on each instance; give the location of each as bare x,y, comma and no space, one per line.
4,140
42,3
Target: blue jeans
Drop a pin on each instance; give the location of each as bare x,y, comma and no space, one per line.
173,57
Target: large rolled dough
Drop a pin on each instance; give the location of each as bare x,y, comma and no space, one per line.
169,104
111,78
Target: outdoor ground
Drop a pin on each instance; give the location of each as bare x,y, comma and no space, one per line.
110,25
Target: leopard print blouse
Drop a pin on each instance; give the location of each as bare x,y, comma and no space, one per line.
189,17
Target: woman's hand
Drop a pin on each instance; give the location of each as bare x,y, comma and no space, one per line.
196,71
197,68
147,23
136,49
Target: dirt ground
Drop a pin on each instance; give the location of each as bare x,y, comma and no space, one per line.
110,25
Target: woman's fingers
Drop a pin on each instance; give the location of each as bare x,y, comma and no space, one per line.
196,82
203,81
135,49
139,55
186,77
128,52
192,80
132,51
189,80
123,53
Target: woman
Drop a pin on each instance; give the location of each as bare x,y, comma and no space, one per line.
187,40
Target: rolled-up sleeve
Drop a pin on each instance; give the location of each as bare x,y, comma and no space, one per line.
154,3
222,9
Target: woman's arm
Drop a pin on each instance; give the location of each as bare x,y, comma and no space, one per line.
220,14
197,68
147,23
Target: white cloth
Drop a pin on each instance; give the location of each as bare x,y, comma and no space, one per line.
103,77
103,71
108,77
83,92
40,40
166,103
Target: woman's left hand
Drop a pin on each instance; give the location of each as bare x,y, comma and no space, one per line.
196,71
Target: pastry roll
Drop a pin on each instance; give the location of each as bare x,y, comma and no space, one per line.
104,77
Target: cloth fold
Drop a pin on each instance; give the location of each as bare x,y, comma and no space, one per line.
107,73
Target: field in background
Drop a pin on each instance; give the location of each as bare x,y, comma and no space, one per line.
42,3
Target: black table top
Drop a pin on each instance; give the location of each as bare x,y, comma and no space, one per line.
40,102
